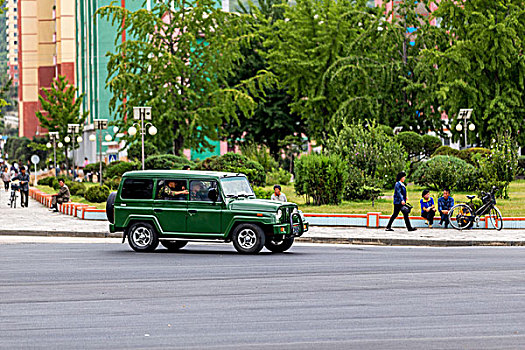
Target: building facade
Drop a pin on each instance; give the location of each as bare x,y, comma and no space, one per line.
46,49
11,19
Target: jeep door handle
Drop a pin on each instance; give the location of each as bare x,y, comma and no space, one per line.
192,211
157,210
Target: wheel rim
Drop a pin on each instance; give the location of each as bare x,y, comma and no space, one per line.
247,239
142,236
459,216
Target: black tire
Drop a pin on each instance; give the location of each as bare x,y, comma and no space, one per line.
461,217
110,207
142,237
248,239
279,246
174,246
495,218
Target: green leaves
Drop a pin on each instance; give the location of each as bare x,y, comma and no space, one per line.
177,61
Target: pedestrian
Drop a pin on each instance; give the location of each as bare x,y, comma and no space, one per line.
400,199
6,178
23,177
428,208
445,203
61,197
86,161
186,167
278,195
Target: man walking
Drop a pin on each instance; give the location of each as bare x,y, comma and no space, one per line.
23,177
61,197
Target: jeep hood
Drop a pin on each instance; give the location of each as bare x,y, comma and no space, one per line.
257,205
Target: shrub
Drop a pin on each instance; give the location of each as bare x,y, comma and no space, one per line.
377,155
95,168
167,162
260,154
355,181
77,189
113,183
117,169
473,155
430,144
446,151
97,194
261,193
411,142
47,181
235,163
521,166
135,150
321,177
445,171
499,167
278,176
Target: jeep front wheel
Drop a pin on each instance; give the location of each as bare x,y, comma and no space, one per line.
142,237
248,239
279,245
174,246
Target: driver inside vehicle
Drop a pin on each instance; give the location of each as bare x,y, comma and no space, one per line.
199,191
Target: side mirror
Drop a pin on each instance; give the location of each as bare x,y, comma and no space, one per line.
213,194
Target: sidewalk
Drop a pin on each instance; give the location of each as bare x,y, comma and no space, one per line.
37,220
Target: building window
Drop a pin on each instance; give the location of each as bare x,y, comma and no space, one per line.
16,26
16,75
16,42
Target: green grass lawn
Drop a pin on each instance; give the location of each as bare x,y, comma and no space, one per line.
76,199
515,206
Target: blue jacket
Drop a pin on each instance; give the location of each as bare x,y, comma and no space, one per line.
445,204
25,180
400,193
426,204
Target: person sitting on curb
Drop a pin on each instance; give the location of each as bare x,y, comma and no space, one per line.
428,208
445,203
61,197
278,195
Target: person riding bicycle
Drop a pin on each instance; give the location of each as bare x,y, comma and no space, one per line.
445,203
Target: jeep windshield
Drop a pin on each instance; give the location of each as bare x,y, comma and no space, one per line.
235,187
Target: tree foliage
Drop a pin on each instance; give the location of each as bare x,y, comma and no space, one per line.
483,67
177,60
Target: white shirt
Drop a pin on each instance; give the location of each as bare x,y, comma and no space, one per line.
280,198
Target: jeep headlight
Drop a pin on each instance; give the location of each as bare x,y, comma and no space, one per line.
278,215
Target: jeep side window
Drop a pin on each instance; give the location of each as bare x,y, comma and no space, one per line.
137,189
174,190
199,190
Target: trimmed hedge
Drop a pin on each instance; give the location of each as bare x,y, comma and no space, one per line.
77,189
117,169
447,172
166,162
235,163
321,177
97,194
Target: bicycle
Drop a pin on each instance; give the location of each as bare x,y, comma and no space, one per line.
15,187
463,216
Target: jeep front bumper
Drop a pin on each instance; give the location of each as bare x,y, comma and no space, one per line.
286,229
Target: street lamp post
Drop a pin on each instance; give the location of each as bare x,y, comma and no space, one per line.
53,136
141,114
73,129
465,115
100,124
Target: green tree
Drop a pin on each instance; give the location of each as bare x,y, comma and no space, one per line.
60,107
177,60
483,67
272,120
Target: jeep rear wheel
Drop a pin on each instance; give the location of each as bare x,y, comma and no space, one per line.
142,237
174,246
279,245
248,239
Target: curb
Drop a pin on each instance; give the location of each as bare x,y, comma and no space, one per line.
321,240
407,242
61,234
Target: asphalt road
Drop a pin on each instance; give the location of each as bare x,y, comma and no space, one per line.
81,295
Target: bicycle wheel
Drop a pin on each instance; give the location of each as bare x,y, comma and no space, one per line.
495,218
461,217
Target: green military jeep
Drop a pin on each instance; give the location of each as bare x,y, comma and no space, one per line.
173,207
